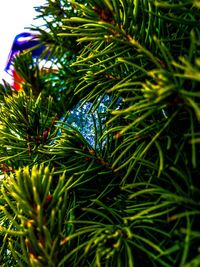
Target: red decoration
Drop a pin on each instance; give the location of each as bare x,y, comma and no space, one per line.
17,81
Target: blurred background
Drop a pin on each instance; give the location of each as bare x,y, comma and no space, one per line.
15,17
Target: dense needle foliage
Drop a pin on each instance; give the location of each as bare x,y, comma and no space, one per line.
100,151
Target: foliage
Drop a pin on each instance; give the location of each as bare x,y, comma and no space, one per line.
101,150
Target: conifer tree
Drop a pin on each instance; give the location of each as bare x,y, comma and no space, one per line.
100,152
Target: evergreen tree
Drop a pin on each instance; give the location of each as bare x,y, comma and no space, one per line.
100,151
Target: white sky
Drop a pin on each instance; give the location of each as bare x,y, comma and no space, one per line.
15,16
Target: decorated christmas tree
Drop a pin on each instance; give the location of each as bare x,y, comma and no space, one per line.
100,137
